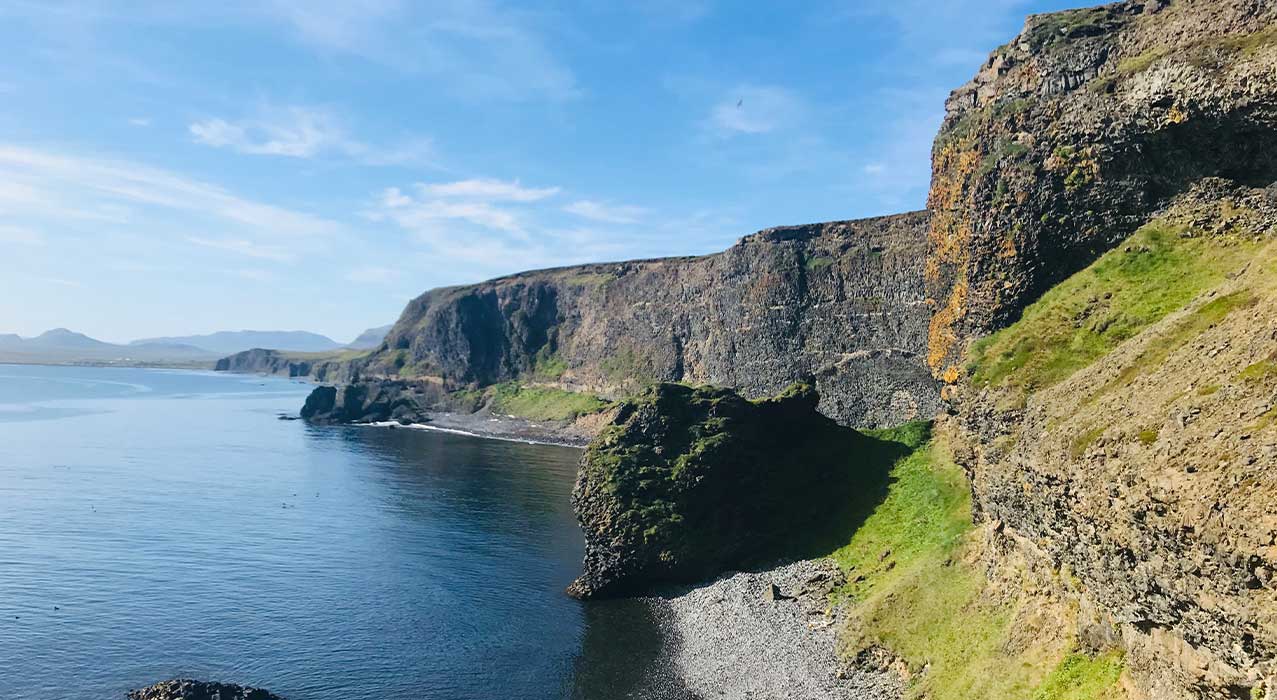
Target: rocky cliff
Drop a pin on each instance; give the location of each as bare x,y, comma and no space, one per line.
1074,133
1138,457
843,302
1102,222
1101,195
323,367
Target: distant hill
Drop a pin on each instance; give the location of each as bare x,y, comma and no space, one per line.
230,342
370,338
63,339
65,346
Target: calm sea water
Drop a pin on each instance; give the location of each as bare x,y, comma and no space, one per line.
157,524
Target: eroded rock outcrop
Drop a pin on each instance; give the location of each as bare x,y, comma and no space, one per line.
186,689
688,482
1074,133
370,402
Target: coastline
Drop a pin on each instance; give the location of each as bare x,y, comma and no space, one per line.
488,427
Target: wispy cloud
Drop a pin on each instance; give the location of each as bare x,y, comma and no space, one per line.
302,132
140,122
243,247
493,190
89,188
486,226
756,109
607,213
415,212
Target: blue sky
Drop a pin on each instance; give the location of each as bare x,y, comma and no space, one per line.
171,168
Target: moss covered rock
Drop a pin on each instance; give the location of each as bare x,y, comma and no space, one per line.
688,482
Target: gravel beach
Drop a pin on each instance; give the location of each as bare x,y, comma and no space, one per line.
741,638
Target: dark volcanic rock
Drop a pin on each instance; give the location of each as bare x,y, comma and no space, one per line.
369,402
318,366
843,302
686,483
186,689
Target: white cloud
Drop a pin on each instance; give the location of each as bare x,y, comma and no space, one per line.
243,247
76,187
483,227
302,132
756,109
372,275
875,168
491,190
414,213
607,213
140,122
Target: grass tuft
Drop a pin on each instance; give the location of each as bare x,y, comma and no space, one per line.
1082,677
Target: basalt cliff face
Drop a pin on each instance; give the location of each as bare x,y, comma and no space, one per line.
841,302
1102,212
1074,133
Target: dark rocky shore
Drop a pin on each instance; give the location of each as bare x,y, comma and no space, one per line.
187,689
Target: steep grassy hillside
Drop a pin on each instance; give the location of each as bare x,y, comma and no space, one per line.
1122,431
920,601
1075,133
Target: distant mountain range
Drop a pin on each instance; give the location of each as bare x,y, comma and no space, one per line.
230,342
65,346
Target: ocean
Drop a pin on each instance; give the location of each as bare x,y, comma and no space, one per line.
158,524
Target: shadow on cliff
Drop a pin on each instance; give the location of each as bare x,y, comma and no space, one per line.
854,492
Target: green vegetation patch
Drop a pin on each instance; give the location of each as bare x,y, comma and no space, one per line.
1057,28
548,366
1082,677
926,510
914,591
1185,330
1157,271
543,403
627,365
1262,372
819,262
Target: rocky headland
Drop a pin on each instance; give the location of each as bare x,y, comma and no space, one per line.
841,302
